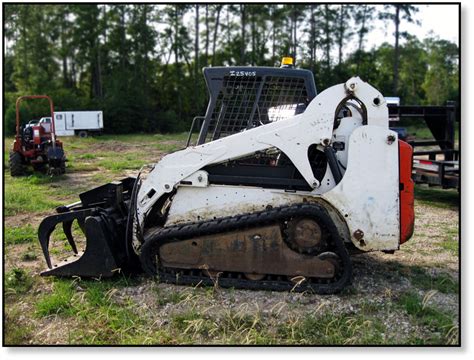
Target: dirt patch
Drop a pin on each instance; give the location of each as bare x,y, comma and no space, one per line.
80,179
105,146
432,226
120,147
23,219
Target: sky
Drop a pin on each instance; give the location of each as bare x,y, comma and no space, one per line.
442,20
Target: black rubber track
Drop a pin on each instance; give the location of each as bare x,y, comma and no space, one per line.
156,237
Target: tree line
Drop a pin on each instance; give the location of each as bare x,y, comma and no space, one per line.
141,63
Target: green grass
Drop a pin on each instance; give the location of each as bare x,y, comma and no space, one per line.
16,332
75,166
17,282
20,234
134,138
133,161
450,241
29,255
114,324
239,327
90,301
452,245
422,279
167,147
420,132
440,323
87,156
334,329
173,297
59,302
446,199
33,194
76,143
99,319
103,177
182,321
231,327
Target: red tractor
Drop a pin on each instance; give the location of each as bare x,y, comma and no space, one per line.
36,144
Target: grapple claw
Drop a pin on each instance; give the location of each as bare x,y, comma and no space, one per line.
67,228
101,215
82,225
99,258
48,225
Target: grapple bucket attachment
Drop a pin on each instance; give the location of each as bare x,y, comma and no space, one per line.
102,217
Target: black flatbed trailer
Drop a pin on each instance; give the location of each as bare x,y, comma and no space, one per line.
438,166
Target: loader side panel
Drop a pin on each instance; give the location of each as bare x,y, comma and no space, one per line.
407,192
368,196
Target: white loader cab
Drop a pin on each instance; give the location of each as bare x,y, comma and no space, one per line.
80,123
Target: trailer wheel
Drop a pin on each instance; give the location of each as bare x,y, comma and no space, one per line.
16,164
82,134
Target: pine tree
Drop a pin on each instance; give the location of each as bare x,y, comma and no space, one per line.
397,13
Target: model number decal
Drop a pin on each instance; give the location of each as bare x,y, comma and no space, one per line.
242,73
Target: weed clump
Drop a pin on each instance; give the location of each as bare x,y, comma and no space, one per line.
17,281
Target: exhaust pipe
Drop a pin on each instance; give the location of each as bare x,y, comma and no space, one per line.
102,215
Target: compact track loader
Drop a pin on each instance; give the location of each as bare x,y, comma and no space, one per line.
281,188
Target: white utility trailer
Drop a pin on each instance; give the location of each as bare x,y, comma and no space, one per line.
70,123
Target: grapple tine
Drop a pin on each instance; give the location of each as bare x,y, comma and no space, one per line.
82,225
67,228
48,225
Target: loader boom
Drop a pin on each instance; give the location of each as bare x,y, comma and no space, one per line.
293,136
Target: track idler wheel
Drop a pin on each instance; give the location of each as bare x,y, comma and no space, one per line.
306,236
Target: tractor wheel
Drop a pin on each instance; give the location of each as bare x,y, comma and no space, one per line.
16,164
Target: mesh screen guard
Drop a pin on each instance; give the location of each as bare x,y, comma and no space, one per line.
246,97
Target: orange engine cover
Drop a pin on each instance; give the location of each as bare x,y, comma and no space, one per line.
407,191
